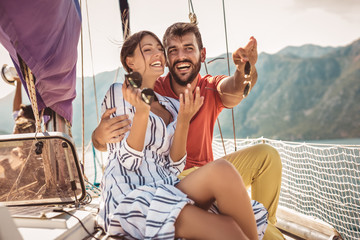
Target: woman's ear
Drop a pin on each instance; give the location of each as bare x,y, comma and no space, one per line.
130,62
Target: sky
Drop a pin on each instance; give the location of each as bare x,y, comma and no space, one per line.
275,24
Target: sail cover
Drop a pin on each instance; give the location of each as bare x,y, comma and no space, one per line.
45,35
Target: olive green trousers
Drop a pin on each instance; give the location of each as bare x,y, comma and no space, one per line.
260,168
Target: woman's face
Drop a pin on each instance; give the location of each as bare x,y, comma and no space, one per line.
148,58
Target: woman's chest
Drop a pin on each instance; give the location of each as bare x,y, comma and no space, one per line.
158,135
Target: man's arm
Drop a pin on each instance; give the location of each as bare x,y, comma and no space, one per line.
231,89
109,130
17,98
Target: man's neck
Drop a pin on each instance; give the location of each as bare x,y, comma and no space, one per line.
177,88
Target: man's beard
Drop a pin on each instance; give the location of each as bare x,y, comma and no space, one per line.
192,76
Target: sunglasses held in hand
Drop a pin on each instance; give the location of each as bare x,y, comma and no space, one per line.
247,74
134,79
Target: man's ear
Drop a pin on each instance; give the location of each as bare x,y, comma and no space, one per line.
203,54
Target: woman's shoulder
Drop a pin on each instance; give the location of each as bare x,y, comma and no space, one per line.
167,99
171,104
115,87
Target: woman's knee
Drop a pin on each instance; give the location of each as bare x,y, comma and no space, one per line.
224,170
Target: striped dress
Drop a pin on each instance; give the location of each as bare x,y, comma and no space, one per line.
139,197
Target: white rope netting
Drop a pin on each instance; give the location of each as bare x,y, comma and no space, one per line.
318,180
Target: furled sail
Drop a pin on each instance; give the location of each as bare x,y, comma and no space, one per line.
45,35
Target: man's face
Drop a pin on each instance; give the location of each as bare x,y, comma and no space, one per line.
184,58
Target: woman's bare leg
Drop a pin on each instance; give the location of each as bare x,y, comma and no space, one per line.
196,223
220,181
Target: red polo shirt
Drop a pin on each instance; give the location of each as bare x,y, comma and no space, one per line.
199,142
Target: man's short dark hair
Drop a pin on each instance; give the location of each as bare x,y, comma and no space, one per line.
179,29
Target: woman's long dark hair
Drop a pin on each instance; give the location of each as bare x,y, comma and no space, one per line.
130,45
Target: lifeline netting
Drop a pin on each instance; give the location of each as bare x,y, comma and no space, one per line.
318,180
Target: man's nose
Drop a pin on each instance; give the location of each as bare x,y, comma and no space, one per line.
182,54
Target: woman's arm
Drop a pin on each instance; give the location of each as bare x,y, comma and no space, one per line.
137,134
128,154
189,105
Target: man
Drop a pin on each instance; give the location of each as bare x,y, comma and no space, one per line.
23,114
260,165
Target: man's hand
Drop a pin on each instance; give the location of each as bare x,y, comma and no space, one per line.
110,130
248,53
189,104
234,88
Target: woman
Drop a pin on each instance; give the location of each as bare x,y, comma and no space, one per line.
141,195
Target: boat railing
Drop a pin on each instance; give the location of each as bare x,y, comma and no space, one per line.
319,181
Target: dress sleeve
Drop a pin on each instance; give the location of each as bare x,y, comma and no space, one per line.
128,157
177,167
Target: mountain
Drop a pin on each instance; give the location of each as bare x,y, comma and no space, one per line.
103,82
306,51
301,97
302,93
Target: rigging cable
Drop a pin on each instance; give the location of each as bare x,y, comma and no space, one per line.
193,19
217,119
82,99
94,84
228,62
92,63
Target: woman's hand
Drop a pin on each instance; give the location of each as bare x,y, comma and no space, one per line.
189,104
133,96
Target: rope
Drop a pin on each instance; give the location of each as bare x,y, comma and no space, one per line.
69,127
95,168
30,83
92,64
193,19
192,15
217,120
116,74
228,64
82,98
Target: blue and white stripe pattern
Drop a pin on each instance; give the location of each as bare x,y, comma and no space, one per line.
139,197
138,193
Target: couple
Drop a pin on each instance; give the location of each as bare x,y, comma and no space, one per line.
141,192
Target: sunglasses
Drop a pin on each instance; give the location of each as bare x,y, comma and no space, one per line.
134,79
247,74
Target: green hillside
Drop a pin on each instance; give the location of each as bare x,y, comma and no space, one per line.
302,93
302,98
